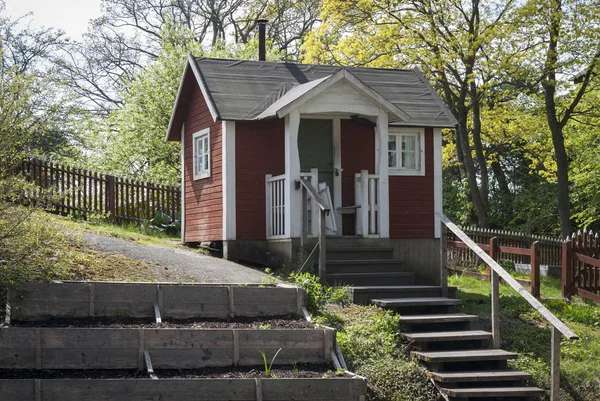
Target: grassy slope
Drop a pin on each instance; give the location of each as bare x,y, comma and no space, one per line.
523,330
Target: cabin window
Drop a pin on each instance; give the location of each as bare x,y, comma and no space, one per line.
201,142
405,152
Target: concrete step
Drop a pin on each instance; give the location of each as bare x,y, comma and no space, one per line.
493,392
464,356
438,318
359,253
370,279
468,335
364,266
364,294
480,376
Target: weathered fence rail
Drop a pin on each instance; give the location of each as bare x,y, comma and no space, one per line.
550,249
581,266
84,192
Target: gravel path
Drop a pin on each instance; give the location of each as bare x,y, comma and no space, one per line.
187,265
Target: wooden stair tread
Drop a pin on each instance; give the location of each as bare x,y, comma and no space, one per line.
374,274
449,336
394,287
337,248
493,392
463,356
479,376
423,301
438,318
364,261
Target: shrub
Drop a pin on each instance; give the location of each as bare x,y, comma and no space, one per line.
318,294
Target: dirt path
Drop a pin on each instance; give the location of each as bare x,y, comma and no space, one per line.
181,263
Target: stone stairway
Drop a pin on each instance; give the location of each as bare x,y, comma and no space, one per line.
459,359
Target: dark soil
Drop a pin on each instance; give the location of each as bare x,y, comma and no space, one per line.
285,322
284,371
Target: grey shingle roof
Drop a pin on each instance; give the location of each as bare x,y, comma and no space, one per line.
242,90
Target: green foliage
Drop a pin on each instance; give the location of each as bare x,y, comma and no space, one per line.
318,294
268,366
367,337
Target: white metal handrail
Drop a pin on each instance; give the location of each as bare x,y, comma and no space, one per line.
558,327
275,200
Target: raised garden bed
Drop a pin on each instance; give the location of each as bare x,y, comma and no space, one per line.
177,301
188,389
123,348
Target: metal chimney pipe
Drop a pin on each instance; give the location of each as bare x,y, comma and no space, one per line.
262,39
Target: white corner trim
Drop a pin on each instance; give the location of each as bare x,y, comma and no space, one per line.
205,173
437,178
337,179
293,198
182,217
229,204
397,171
203,89
383,198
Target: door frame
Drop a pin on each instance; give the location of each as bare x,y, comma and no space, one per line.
337,162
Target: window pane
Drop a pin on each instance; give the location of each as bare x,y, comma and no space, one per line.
392,142
409,142
205,165
392,159
409,160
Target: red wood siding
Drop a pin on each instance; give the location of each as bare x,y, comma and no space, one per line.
204,197
358,153
259,148
411,200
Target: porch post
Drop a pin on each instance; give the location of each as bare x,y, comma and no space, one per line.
293,215
383,198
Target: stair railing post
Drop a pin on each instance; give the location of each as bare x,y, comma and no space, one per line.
364,206
495,295
444,258
304,218
322,247
535,269
555,368
567,273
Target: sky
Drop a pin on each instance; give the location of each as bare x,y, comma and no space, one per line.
72,16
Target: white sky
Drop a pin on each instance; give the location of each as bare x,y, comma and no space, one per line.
72,16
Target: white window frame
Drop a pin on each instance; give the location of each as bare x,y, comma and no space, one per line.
419,156
198,175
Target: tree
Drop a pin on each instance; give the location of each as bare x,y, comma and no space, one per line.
449,40
568,50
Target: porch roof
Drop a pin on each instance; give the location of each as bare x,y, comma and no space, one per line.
246,90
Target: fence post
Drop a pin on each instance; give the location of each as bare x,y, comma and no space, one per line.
567,273
110,196
495,294
535,269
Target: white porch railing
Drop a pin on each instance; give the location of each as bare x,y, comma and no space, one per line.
275,198
365,195
312,222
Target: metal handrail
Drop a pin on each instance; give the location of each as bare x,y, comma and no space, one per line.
537,305
314,194
558,327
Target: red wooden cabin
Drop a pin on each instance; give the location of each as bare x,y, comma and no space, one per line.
369,139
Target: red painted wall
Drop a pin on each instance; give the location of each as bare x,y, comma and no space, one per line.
204,197
358,153
411,200
259,150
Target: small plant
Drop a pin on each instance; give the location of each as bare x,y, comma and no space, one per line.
271,279
296,371
264,327
268,366
318,294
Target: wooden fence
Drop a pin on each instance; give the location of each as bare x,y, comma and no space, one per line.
83,192
495,250
550,248
581,266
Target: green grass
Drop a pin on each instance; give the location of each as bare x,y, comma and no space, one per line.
142,234
525,331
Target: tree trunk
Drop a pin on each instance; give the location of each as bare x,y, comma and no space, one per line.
481,160
562,176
